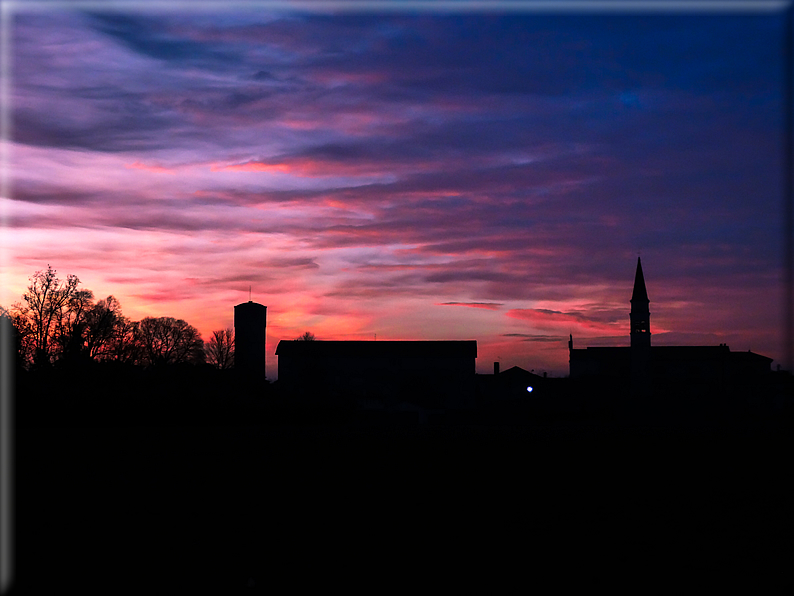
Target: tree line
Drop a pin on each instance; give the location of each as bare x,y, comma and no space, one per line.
58,322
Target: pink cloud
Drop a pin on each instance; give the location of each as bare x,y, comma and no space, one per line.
154,169
486,305
552,319
315,167
252,166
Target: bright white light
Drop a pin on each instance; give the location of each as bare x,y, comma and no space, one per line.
529,389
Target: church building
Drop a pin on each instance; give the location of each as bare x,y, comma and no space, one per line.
641,367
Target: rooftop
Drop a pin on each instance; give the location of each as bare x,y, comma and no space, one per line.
379,349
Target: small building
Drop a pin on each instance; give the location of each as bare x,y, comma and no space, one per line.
518,384
432,374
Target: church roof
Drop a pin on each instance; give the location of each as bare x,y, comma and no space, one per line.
680,353
639,293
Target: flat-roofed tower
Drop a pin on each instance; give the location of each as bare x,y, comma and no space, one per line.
249,339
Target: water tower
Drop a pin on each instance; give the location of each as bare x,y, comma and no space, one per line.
249,339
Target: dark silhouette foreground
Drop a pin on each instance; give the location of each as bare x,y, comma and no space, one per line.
186,478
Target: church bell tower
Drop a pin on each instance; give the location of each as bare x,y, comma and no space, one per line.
640,314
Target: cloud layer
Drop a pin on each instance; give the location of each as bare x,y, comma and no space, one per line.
366,174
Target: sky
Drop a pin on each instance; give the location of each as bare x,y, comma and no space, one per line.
406,174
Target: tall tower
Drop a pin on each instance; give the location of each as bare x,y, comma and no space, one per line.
249,339
640,314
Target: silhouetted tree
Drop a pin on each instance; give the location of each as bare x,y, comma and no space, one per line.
220,348
125,344
46,299
308,336
57,321
101,324
70,326
165,340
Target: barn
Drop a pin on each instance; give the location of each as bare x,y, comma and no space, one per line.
432,374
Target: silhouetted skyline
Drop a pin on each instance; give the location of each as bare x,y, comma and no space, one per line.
407,176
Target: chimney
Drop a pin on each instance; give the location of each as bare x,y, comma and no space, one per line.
496,368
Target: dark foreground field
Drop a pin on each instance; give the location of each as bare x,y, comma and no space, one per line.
345,504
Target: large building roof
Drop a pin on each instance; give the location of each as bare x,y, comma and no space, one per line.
378,349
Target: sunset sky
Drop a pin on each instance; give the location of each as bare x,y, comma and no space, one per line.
415,175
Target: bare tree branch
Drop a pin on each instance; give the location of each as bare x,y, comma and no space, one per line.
220,348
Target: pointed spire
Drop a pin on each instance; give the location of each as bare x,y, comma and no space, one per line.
639,293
